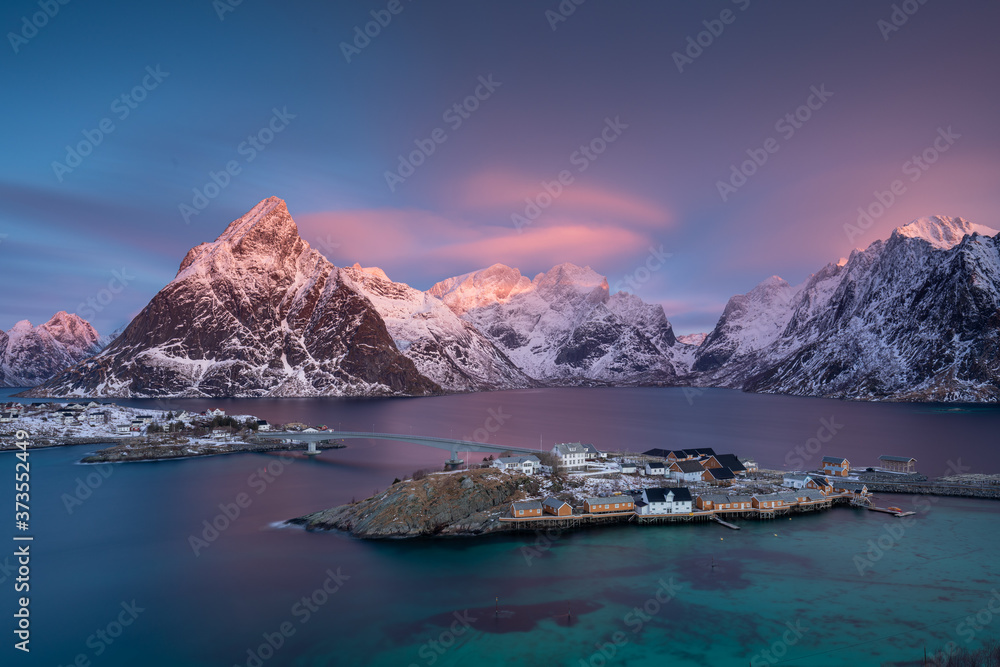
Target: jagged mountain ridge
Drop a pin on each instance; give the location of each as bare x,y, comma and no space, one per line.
911,318
256,313
260,313
563,327
31,355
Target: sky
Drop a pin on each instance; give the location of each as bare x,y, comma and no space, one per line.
687,151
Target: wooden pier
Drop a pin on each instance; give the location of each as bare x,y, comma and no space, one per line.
725,523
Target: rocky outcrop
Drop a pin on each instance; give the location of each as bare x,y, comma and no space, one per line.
461,503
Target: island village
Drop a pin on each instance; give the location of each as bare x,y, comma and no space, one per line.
662,485
576,483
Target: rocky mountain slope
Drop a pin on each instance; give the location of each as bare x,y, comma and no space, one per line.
31,355
255,313
564,328
916,317
443,347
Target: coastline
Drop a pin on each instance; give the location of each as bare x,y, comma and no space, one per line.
451,505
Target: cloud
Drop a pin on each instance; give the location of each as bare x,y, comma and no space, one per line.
507,192
417,242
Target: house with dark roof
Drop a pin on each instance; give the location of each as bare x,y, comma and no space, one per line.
593,453
525,509
718,476
836,465
655,468
725,461
819,483
666,500
904,464
556,507
687,471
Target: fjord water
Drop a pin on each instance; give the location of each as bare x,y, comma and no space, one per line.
792,587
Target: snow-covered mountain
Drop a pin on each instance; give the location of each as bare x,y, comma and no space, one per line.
916,317
695,339
256,313
444,347
564,328
31,355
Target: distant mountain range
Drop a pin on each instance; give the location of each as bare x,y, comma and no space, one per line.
31,355
259,312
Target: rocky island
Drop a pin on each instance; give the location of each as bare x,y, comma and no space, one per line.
463,502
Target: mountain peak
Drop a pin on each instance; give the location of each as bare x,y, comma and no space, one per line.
264,233
568,273
941,231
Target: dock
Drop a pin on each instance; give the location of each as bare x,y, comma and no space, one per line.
725,523
893,512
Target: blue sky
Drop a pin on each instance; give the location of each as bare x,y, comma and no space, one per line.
888,95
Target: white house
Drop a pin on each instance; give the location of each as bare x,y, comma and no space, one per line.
668,500
593,453
6,417
571,455
123,429
795,480
529,465
655,468
686,471
217,413
628,467
262,425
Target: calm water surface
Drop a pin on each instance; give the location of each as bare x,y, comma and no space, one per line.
791,587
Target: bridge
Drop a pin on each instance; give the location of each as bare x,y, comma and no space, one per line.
450,444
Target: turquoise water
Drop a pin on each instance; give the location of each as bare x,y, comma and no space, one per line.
791,587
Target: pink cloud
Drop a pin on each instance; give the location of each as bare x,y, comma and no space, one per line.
493,190
393,239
